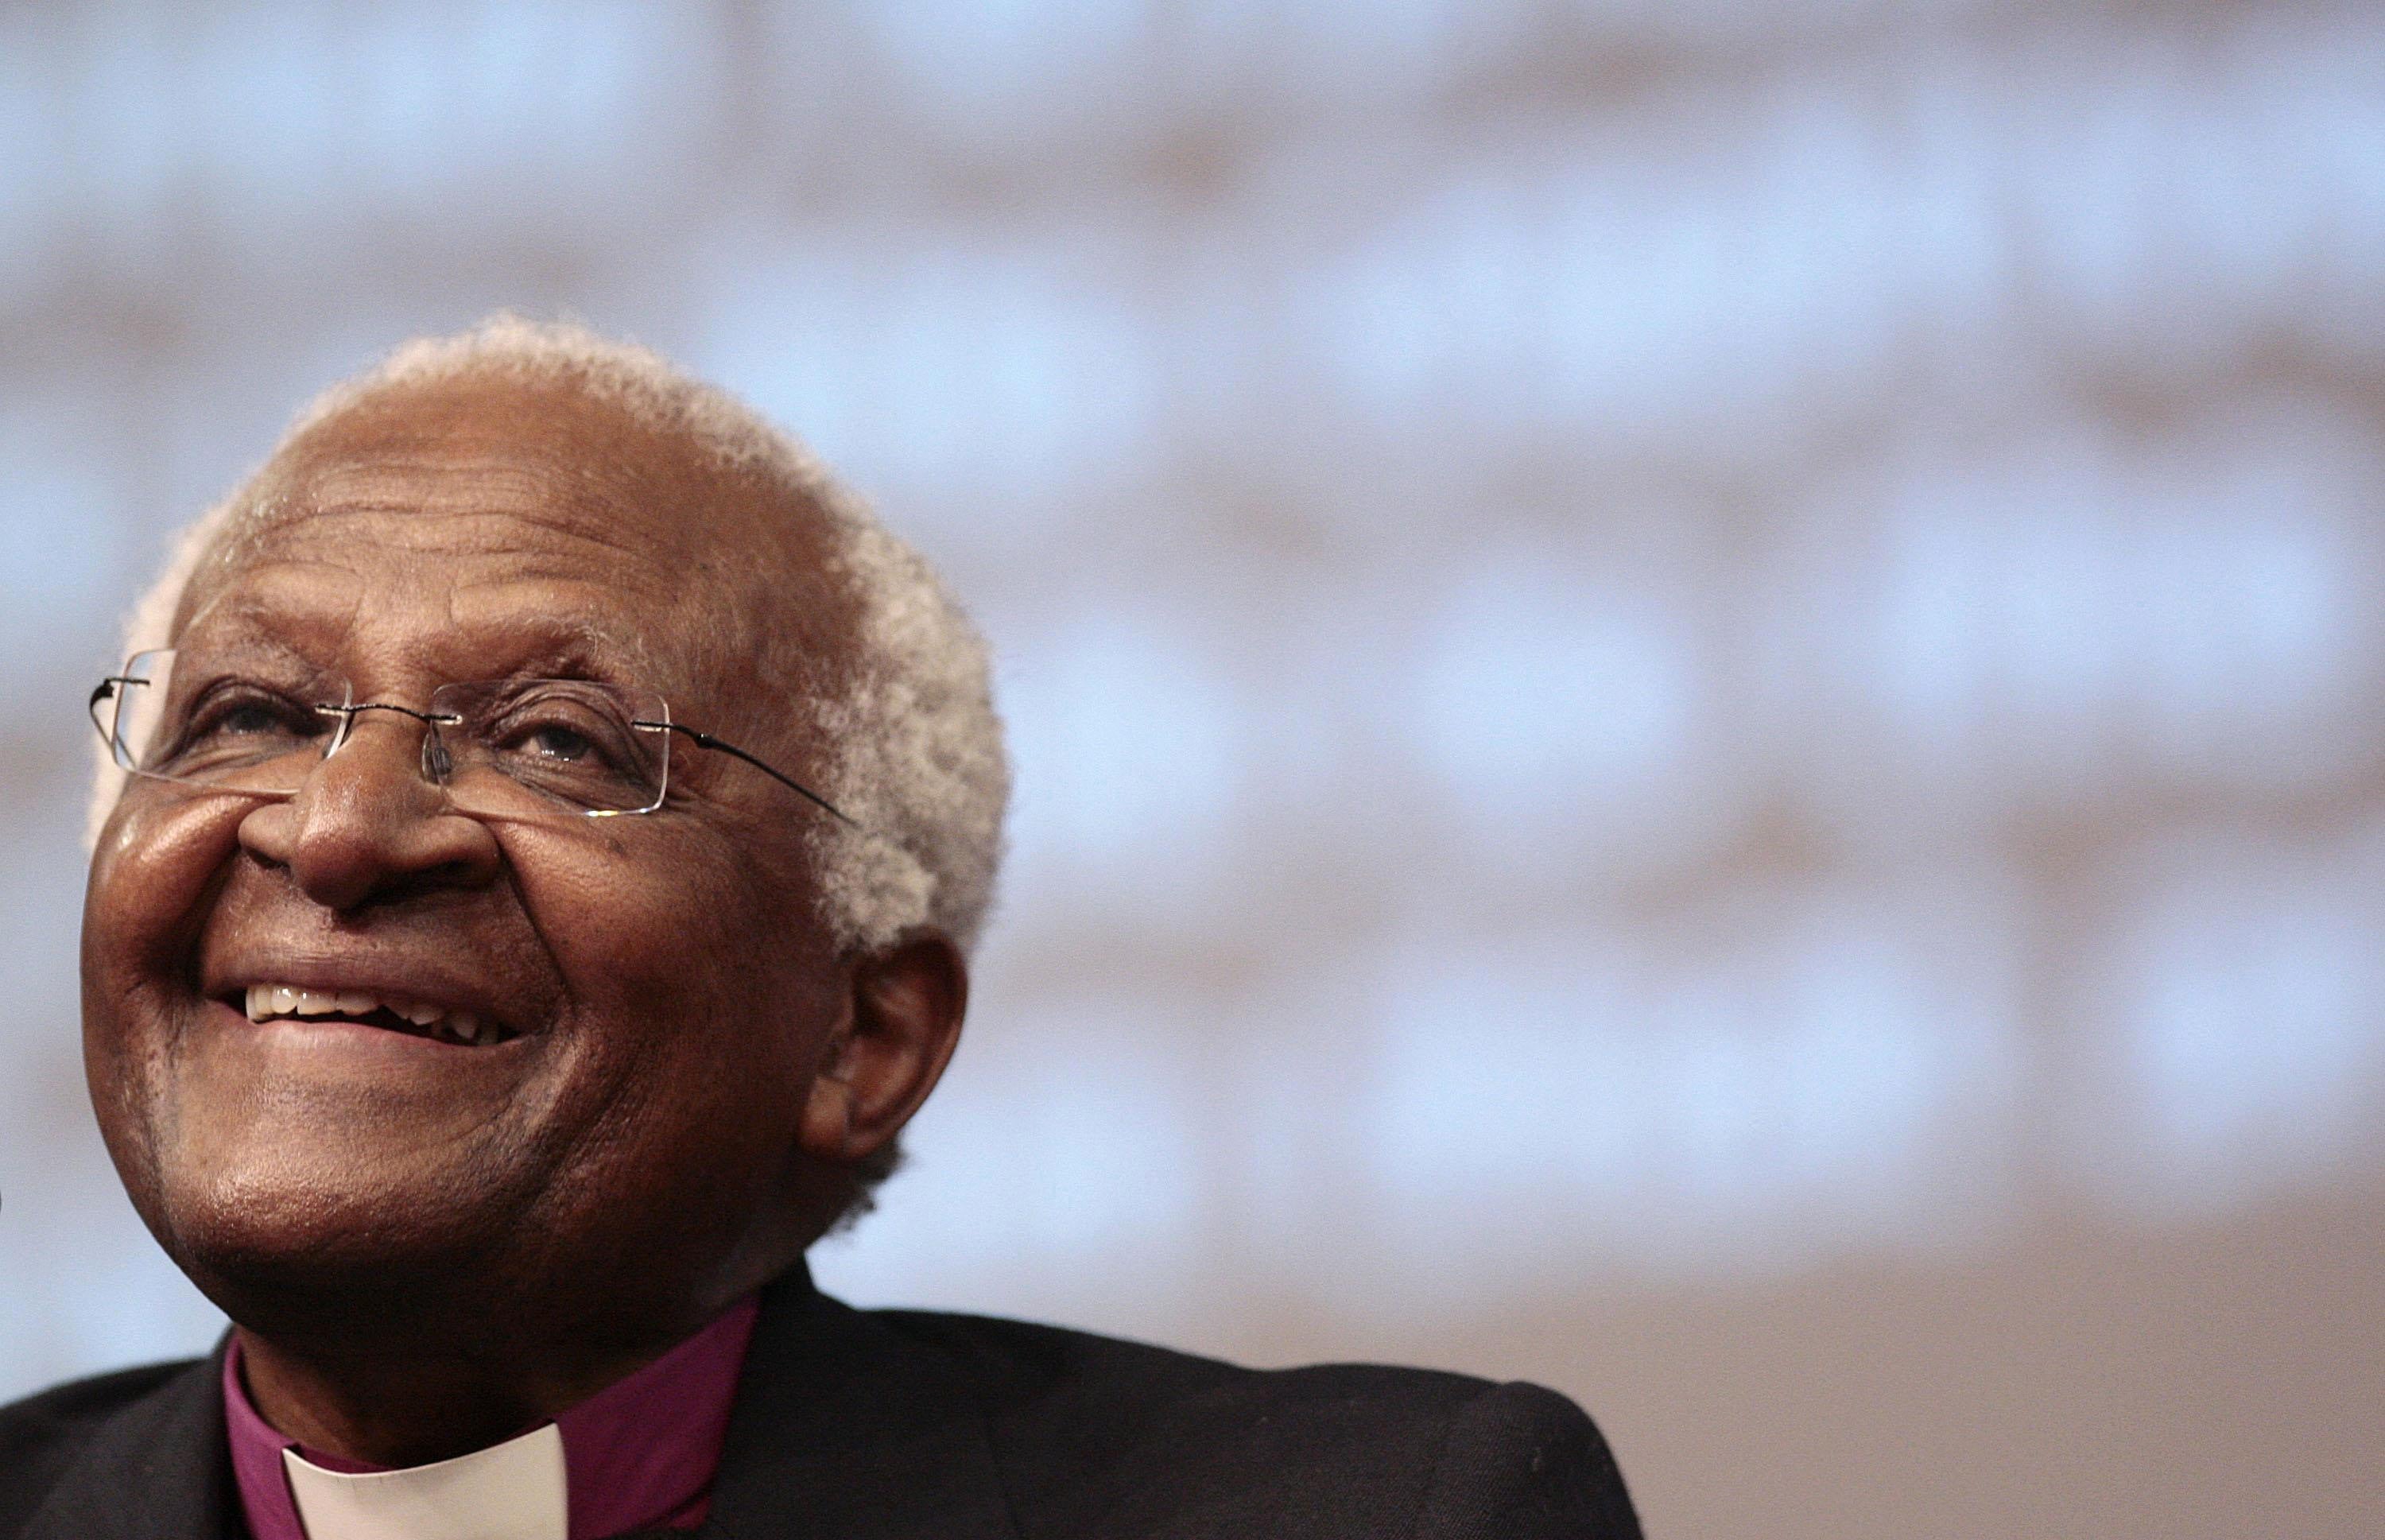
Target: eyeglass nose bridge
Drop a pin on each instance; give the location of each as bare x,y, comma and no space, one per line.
436,762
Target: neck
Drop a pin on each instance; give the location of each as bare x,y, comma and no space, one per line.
419,1389
412,1409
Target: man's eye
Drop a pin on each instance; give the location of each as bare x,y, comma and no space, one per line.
249,718
562,744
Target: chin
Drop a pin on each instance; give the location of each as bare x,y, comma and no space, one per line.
301,1249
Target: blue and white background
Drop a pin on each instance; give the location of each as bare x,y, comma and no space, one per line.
1697,685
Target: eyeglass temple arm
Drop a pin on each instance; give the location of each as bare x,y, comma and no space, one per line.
106,691
705,740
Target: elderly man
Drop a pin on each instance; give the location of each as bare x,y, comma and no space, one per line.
542,826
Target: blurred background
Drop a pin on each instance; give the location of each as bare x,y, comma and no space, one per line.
1696,683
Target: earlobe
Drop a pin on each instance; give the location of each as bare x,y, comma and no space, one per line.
827,1126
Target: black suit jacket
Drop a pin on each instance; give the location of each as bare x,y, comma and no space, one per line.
873,1425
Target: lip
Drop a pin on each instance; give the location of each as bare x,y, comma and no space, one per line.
226,981
352,1042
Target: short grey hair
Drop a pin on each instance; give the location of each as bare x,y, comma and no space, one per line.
917,761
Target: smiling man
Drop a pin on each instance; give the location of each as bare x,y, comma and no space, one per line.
542,826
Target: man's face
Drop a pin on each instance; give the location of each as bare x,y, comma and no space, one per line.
665,988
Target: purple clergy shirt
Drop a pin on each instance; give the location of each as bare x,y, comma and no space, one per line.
641,1452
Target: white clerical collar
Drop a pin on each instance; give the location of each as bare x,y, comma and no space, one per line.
514,1491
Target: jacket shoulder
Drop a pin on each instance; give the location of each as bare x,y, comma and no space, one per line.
41,1435
1101,1434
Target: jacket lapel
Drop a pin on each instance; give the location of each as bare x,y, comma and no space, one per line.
159,1467
842,1429
845,1429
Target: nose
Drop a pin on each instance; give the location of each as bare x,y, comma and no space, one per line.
366,825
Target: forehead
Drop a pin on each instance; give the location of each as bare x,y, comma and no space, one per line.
481,518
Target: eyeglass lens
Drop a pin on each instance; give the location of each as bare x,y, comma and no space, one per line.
596,746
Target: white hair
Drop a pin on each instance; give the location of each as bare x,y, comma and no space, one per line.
917,761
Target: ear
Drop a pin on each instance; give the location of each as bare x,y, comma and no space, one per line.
907,1004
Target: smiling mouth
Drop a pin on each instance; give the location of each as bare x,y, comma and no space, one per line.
270,1002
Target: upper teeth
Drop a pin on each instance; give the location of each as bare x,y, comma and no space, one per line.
279,999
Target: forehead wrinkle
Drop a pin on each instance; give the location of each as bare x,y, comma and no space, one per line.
605,540
473,618
468,545
523,473
583,486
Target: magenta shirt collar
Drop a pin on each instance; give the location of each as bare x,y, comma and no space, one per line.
641,1452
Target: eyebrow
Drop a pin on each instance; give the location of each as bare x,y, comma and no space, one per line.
562,645
243,645
540,646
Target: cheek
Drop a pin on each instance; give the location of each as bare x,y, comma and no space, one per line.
699,1012
157,864
696,979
